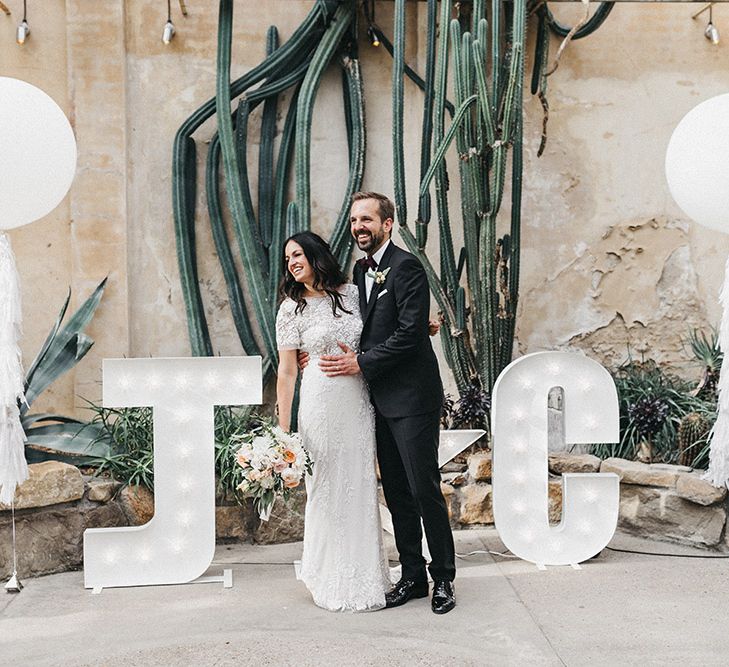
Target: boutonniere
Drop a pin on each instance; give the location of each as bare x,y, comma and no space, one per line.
378,276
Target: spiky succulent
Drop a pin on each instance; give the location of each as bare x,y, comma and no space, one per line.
648,414
692,430
447,411
472,409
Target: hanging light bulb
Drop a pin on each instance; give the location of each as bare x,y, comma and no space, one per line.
168,33
21,34
169,30
373,36
711,32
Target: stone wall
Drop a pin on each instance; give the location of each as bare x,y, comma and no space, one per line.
608,260
54,507
58,503
658,501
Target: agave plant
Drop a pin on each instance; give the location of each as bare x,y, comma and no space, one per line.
53,436
706,351
653,403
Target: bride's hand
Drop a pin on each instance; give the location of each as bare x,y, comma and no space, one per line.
433,327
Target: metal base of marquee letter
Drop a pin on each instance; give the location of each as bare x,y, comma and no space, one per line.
450,445
178,544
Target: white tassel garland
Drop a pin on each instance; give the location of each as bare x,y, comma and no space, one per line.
13,466
718,472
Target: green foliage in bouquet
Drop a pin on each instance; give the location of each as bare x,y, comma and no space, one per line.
54,436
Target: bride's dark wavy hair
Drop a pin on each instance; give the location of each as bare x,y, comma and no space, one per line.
328,277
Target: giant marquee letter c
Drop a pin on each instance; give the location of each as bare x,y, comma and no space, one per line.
519,428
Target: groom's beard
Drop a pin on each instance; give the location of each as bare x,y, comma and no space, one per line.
370,242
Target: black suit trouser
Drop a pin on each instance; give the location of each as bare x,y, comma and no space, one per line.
407,452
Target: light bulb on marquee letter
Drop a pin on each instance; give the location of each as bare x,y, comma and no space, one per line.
520,476
184,467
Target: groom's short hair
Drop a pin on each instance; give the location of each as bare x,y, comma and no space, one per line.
385,205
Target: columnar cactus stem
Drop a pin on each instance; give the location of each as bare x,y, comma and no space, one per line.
478,316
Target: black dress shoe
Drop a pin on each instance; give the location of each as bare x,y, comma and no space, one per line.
404,590
444,597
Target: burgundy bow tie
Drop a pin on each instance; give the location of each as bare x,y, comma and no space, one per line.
367,263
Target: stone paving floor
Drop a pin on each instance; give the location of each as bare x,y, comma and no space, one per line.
619,609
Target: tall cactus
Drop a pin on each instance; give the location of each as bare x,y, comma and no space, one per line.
479,314
258,232
477,50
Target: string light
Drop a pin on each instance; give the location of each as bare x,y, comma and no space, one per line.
711,32
169,30
23,28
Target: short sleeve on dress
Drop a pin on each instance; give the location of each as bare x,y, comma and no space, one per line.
288,336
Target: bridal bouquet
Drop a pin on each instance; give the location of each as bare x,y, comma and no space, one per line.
273,463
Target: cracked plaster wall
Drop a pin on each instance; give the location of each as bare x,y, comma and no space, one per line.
608,261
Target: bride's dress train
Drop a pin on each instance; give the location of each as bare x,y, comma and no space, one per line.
343,563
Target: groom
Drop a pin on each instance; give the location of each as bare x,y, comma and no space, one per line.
398,362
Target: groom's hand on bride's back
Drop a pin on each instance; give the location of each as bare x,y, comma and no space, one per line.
340,364
302,359
433,327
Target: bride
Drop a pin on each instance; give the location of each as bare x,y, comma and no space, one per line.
343,563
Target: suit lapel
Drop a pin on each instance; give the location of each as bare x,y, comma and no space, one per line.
359,280
384,263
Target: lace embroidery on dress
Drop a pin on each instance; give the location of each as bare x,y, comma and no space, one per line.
343,563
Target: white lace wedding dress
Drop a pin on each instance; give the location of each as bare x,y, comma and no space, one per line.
343,563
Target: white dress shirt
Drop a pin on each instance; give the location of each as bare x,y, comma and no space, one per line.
369,280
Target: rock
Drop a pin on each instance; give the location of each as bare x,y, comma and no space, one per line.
554,500
453,478
671,466
561,462
662,514
50,539
693,488
479,466
49,483
476,504
452,466
102,490
451,498
286,523
235,522
138,504
633,472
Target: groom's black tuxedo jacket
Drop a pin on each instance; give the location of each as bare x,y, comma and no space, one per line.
397,359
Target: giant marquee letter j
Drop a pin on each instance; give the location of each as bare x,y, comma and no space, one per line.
178,543
519,426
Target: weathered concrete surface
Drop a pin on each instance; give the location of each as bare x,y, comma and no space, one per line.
508,613
608,260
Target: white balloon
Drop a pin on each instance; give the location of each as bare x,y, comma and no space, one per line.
697,163
37,153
